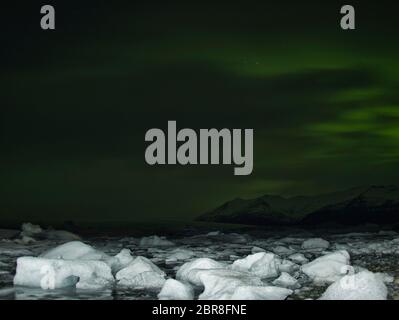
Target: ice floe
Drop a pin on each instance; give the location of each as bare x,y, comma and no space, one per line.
262,264
141,273
189,271
328,268
176,290
221,284
74,250
56,273
260,293
298,258
315,244
285,280
364,285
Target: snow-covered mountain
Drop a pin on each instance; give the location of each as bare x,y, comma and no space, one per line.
373,204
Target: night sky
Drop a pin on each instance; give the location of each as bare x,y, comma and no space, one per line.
76,103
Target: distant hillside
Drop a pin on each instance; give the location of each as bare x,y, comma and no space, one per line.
374,204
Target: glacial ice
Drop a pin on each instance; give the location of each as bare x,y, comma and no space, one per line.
281,250
262,264
120,261
179,254
328,268
260,293
364,285
155,241
56,273
141,273
287,266
206,266
298,258
189,271
75,250
315,244
176,290
221,284
285,280
30,230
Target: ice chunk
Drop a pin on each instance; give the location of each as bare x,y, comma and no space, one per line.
29,229
386,278
298,258
25,240
315,244
364,285
121,260
56,273
189,271
287,266
75,250
143,280
260,293
176,290
180,254
281,250
328,268
221,284
286,281
262,264
257,249
155,241
141,273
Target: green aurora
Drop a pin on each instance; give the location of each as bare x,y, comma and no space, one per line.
323,103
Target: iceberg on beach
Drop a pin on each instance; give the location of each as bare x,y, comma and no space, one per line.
56,273
328,268
364,285
121,260
285,280
74,250
261,264
141,273
260,293
189,271
221,284
176,290
315,244
298,258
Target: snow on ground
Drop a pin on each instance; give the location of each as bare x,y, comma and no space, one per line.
216,265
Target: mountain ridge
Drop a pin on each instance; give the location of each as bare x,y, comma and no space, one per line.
359,205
